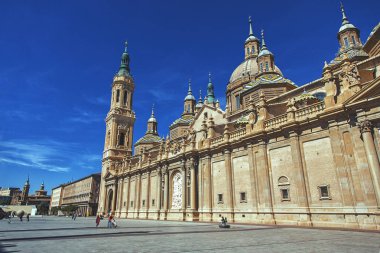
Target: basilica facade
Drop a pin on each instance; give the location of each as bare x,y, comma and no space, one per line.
278,153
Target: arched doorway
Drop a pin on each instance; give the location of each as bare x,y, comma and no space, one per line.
177,191
109,201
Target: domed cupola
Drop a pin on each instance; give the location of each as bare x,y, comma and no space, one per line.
349,41
266,58
124,65
190,93
251,44
189,104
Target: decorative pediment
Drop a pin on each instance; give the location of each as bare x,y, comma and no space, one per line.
368,92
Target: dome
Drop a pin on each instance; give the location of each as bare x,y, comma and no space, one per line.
265,52
189,97
346,26
249,67
251,38
152,119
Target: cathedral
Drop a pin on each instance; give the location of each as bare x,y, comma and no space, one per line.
278,153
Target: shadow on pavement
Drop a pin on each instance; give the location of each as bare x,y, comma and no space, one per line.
4,248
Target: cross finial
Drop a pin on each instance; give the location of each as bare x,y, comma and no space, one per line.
126,46
209,77
344,17
250,26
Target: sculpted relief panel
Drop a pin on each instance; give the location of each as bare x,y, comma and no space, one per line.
177,191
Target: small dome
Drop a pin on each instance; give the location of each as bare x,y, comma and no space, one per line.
199,105
249,67
251,38
265,52
152,119
346,26
189,97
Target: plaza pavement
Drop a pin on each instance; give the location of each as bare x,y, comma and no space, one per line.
62,234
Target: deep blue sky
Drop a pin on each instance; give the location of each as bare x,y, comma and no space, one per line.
58,58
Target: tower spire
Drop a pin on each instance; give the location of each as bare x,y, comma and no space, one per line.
210,90
263,45
189,92
344,17
124,65
250,26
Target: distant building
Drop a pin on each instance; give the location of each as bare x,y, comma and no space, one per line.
10,195
56,197
83,193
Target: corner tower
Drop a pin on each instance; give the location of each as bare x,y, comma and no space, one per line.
120,119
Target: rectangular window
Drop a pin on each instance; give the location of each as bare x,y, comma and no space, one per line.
324,192
346,44
143,203
266,66
237,100
121,139
243,197
285,194
220,198
125,97
131,203
117,95
253,50
153,202
353,40
261,66
125,203
247,50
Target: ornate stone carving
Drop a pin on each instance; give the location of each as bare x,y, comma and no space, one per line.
349,77
177,191
365,126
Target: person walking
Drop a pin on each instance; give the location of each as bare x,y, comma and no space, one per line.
27,217
97,220
110,218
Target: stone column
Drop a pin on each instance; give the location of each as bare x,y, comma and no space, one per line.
372,158
120,194
253,175
114,195
138,199
264,185
166,190
147,198
183,172
159,189
303,194
193,186
128,199
230,190
207,185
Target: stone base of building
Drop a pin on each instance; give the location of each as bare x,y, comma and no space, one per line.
365,221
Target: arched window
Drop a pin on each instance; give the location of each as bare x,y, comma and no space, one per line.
125,97
253,50
284,186
247,50
121,139
117,95
353,40
261,66
346,44
266,66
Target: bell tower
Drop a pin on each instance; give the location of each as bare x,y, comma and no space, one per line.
120,119
119,133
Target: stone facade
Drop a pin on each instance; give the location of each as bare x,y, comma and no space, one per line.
278,154
83,193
